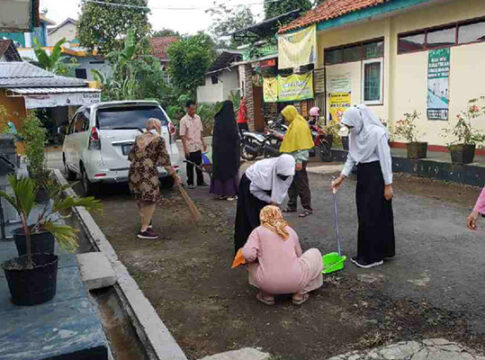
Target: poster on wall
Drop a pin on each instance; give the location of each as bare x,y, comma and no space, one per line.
338,102
295,87
297,48
339,83
270,89
438,84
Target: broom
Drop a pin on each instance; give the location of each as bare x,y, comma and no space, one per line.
194,211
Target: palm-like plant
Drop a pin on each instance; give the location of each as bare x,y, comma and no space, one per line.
23,200
50,62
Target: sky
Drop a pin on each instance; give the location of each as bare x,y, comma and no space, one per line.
184,21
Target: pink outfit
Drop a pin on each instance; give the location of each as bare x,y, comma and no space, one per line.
277,266
480,205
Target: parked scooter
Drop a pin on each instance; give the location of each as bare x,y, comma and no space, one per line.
255,144
322,141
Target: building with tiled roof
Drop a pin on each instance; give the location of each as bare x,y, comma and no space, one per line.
395,56
160,46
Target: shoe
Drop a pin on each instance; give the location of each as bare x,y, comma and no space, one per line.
231,198
147,235
306,213
266,301
191,186
150,226
364,265
300,301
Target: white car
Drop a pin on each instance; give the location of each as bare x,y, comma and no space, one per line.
100,136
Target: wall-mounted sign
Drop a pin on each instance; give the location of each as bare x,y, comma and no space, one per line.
54,100
270,89
338,102
295,87
438,84
297,48
267,63
339,83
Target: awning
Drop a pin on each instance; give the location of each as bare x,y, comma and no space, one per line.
52,97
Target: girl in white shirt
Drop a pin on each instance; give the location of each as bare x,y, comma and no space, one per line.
369,150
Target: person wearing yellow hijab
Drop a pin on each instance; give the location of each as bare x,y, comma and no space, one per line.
297,142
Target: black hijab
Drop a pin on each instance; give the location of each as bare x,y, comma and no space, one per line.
225,144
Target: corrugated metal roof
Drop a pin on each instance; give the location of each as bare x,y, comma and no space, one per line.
31,91
23,74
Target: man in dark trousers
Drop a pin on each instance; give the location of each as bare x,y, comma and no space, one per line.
193,142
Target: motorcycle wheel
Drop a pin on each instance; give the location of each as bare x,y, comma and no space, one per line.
247,155
324,152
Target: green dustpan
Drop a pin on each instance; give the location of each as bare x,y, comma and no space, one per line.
334,261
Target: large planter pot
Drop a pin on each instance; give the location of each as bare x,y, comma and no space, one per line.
345,143
32,286
417,150
462,153
42,242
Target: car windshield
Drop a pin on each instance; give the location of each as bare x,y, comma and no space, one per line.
134,117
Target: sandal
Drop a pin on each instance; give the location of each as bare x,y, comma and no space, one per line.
289,210
303,299
305,213
260,297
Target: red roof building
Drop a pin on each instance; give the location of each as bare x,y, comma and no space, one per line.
330,9
160,46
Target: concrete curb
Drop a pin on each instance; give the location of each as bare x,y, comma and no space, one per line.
157,339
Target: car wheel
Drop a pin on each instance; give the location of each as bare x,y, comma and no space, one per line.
167,182
89,188
324,152
70,175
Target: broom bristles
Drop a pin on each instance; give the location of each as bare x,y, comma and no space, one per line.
194,211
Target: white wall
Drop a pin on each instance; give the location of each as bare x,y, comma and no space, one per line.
68,31
85,63
212,93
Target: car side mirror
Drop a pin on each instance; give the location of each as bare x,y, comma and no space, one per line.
271,122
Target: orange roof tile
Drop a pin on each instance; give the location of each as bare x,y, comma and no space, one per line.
160,45
330,9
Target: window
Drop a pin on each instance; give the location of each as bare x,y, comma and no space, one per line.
474,32
214,79
441,38
82,122
411,43
355,52
464,32
81,73
129,117
372,82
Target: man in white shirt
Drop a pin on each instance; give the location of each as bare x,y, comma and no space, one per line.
193,143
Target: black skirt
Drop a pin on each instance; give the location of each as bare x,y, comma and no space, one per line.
247,214
376,221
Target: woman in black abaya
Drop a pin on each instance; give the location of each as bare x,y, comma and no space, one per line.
225,154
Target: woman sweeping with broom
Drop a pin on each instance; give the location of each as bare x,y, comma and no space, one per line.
369,150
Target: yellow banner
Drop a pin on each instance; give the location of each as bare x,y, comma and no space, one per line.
298,48
295,87
338,103
270,89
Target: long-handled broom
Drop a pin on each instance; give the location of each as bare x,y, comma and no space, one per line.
194,211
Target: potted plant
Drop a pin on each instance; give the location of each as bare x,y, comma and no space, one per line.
463,150
32,278
407,129
34,136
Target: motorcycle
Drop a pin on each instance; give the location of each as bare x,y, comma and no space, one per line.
322,142
267,145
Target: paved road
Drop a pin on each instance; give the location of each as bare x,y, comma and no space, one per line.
438,260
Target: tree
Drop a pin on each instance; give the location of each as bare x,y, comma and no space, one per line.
103,26
190,59
55,61
275,8
227,20
166,32
133,76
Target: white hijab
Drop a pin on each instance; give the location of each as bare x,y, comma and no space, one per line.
263,174
366,132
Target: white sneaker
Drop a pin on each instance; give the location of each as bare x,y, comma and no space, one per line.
366,266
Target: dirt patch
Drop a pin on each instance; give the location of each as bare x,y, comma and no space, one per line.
210,308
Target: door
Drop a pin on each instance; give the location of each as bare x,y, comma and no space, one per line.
67,147
259,124
79,138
